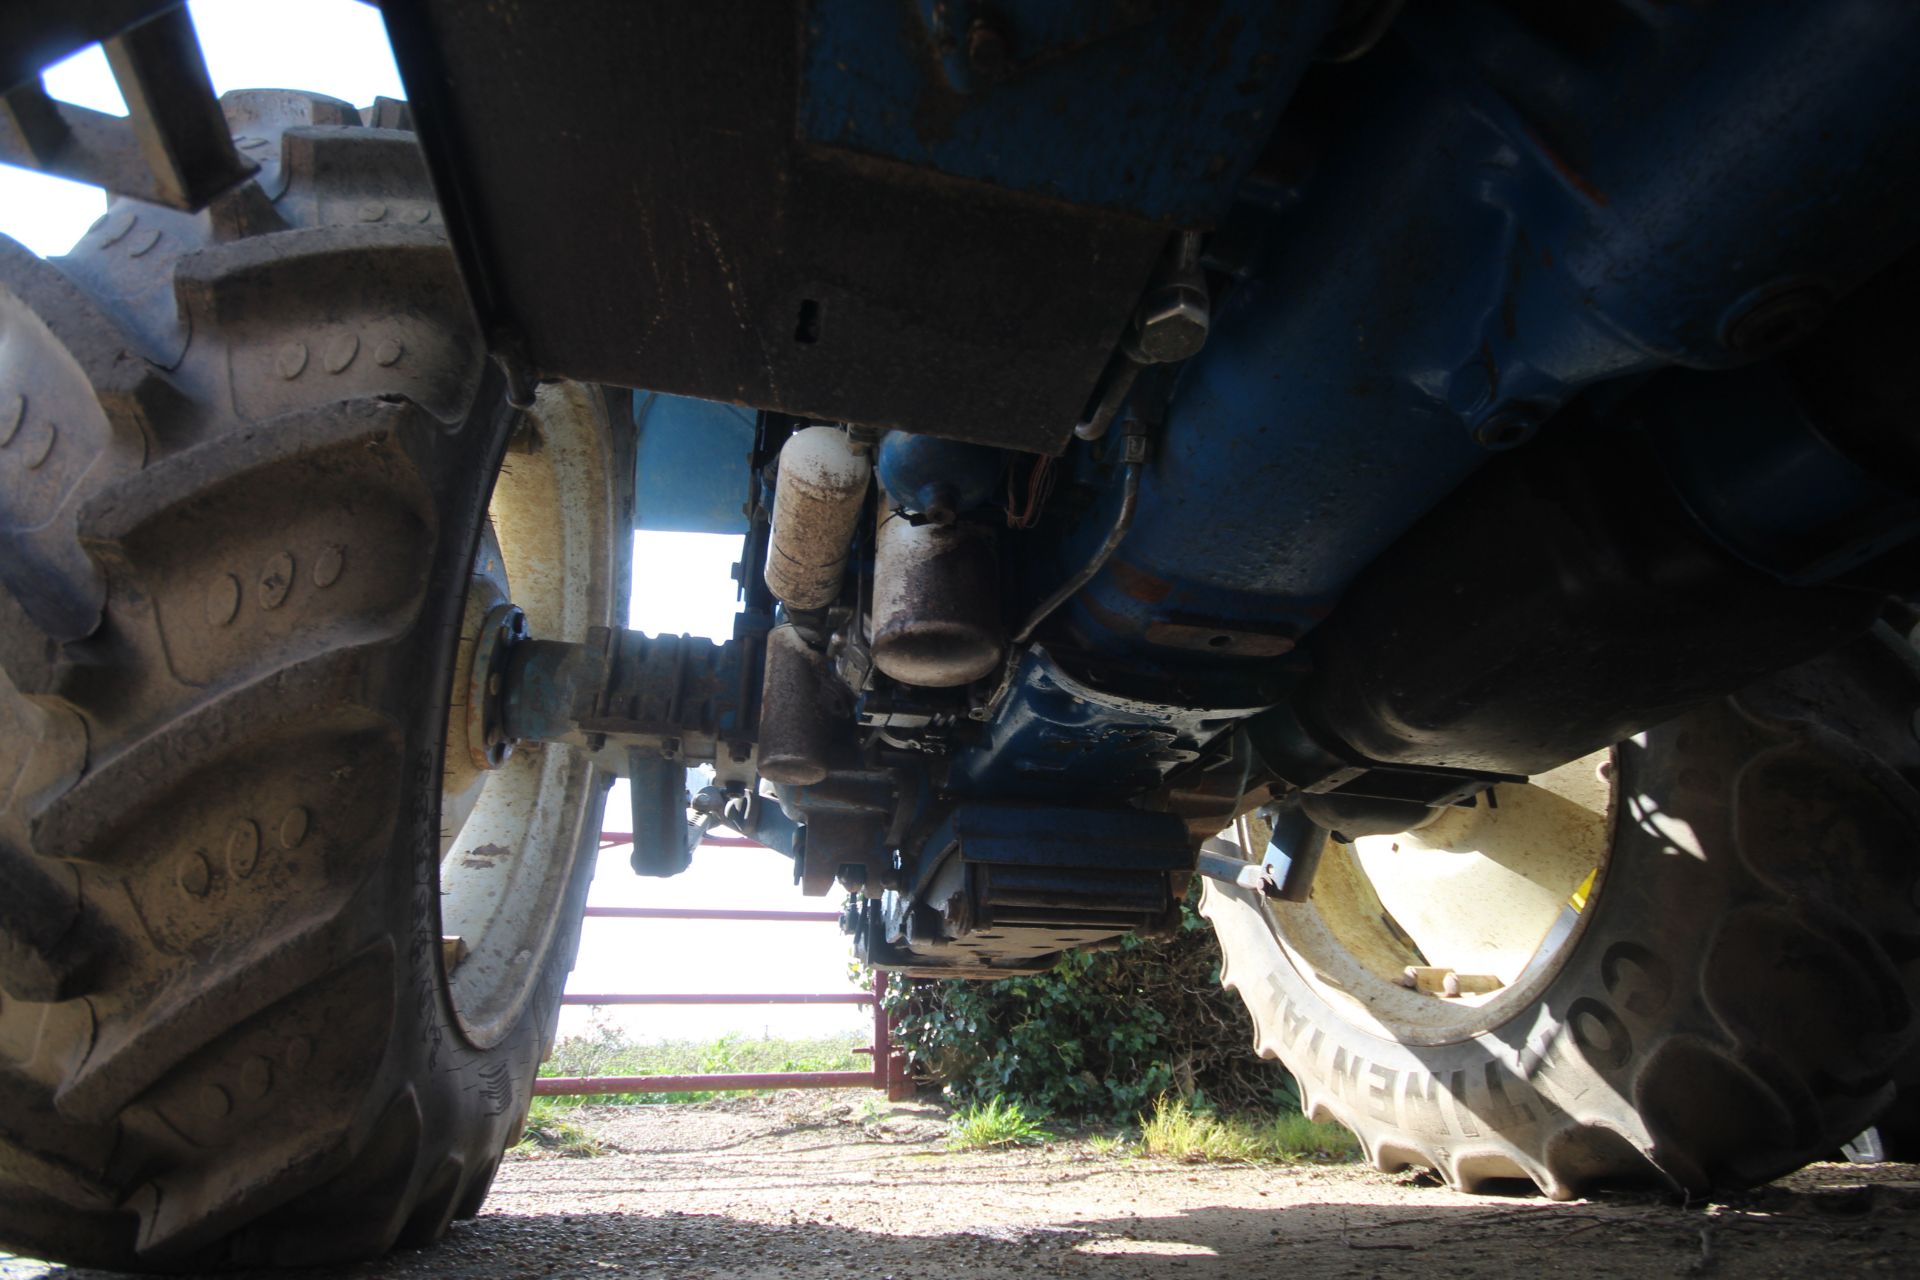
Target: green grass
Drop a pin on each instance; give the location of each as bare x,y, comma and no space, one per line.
606,1051
1175,1131
998,1123
548,1129
1294,1137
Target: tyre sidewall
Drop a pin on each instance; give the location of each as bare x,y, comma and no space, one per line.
1661,1047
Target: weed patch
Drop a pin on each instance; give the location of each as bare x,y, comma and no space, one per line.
1099,1036
1177,1131
997,1122
549,1129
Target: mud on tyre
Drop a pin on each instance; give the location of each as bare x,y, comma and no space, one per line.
246,460
1732,1002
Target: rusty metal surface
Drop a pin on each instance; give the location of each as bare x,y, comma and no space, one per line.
936,606
731,997
558,1086
889,1070
1238,641
609,839
797,722
702,913
823,483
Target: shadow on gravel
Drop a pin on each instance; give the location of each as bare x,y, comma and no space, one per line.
1868,1222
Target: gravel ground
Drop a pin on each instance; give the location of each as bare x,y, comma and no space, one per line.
841,1185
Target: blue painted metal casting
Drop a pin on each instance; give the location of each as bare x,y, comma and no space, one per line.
1491,227
1060,735
687,476
924,473
1768,485
1156,110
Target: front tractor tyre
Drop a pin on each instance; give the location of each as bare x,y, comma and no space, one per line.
1689,961
279,955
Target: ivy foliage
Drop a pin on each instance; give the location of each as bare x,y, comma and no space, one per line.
1100,1037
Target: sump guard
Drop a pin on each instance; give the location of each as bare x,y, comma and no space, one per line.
1005,888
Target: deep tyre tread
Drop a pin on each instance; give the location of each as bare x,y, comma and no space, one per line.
1738,1000
230,589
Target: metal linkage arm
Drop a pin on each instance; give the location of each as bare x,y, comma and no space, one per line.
174,147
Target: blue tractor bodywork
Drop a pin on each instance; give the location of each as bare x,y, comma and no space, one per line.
1486,228
677,486
1093,104
1331,407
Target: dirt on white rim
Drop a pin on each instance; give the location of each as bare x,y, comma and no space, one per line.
847,1185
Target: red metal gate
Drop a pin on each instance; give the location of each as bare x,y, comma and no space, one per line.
889,1065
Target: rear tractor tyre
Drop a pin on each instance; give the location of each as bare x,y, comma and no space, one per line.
278,958
1704,982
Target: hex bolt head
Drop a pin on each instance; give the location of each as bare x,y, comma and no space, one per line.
1172,324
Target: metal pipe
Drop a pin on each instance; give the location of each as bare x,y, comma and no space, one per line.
704,913
1169,326
889,1066
1129,500
1118,384
614,839
759,997
563,1086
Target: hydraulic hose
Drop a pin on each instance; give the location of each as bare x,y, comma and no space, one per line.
1129,500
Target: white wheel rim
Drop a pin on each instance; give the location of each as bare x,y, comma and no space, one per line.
1487,892
509,836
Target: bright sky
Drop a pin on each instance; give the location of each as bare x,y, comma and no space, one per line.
681,584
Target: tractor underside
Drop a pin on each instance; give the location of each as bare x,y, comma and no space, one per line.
1331,409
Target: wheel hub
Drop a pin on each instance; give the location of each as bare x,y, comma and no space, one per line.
504,626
